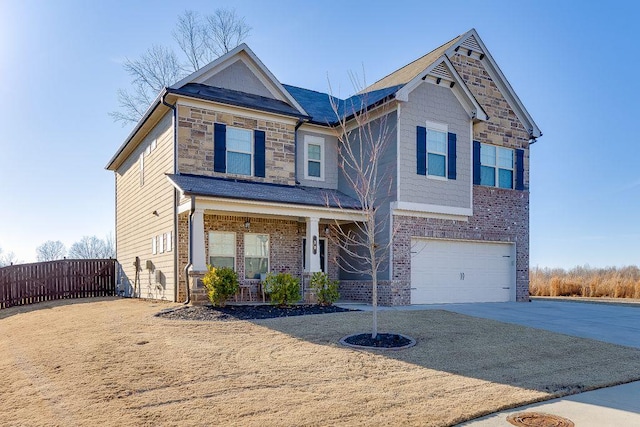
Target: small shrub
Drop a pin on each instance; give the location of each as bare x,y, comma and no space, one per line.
283,288
326,290
221,283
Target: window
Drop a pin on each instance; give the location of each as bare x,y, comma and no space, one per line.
154,249
222,249
496,166
239,151
256,255
161,243
314,158
436,152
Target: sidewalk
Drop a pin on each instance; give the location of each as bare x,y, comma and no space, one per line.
613,406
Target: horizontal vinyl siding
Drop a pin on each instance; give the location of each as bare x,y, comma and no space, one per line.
136,223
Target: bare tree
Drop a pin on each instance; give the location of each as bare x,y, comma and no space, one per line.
8,258
364,134
200,40
156,69
90,247
50,251
224,31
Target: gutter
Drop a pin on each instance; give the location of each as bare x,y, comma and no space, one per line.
152,108
295,146
190,263
174,235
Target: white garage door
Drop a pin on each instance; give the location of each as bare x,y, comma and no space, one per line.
447,271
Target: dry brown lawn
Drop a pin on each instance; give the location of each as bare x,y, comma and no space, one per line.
111,362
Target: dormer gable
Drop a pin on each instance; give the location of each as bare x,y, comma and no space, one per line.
242,71
442,73
471,45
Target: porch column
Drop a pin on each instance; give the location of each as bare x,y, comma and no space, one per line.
313,246
198,256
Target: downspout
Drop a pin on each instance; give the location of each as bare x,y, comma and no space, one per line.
174,235
190,263
295,146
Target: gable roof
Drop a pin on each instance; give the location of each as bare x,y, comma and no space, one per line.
243,53
472,43
234,97
196,185
407,73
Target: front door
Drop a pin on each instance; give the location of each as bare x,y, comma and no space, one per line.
323,259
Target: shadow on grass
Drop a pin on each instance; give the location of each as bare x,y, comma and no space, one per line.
20,309
483,349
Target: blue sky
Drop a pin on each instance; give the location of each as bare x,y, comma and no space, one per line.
573,65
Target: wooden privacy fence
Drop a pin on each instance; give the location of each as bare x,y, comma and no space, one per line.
45,281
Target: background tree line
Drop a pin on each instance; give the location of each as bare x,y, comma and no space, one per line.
88,247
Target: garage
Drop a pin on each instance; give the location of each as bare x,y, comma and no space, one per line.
454,271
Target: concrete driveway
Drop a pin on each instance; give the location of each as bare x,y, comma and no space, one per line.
612,323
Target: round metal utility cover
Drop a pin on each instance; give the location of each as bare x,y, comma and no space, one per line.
538,419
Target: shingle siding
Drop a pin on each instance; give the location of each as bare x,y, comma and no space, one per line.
437,104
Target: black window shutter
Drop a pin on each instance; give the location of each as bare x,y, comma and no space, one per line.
421,149
220,147
476,162
451,155
519,169
258,153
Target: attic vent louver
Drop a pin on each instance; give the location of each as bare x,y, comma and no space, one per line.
472,44
441,71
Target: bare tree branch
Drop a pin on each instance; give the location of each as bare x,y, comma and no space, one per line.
50,251
200,41
8,258
225,30
90,247
364,134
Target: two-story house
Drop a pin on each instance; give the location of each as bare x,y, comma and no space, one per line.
230,167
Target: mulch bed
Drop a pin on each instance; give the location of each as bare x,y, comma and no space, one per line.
246,312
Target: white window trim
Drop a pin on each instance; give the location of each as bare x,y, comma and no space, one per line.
314,140
496,167
235,247
154,246
169,244
244,258
251,154
438,127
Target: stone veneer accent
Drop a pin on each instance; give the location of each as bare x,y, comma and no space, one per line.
285,247
503,127
195,144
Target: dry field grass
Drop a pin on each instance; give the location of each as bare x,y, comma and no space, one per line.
586,282
111,362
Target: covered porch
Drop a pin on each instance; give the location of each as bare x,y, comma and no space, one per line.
272,229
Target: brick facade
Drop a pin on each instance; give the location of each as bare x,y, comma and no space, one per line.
499,215
195,144
285,245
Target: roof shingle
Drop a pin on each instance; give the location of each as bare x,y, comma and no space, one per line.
195,185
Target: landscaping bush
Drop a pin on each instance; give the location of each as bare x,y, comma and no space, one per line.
326,290
221,283
283,288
